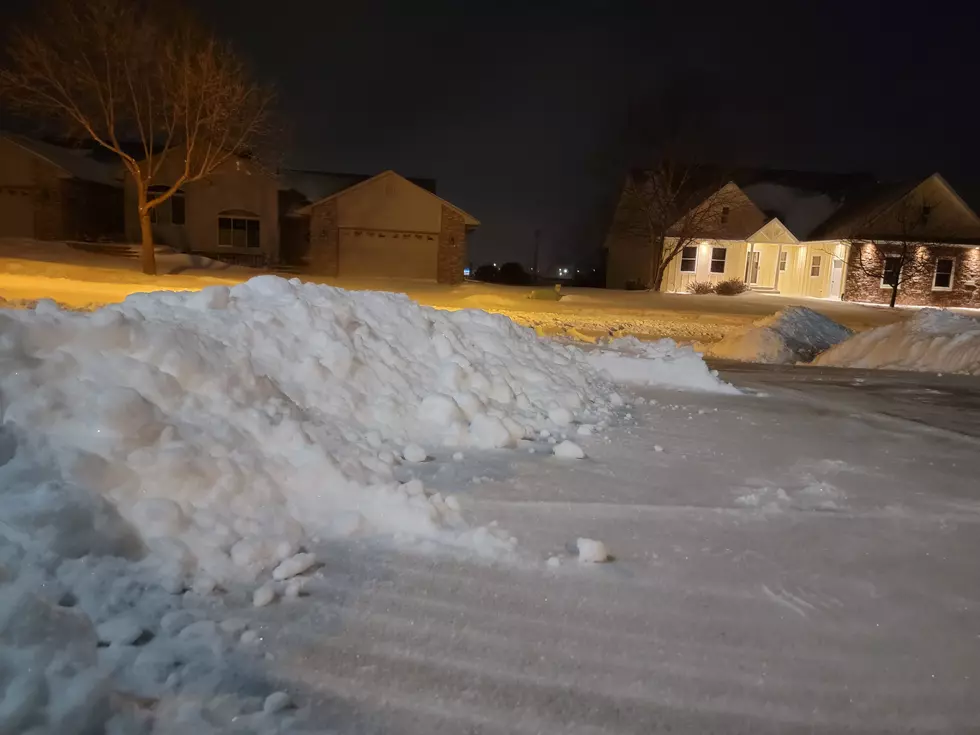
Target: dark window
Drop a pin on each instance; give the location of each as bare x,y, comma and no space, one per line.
171,210
689,260
238,231
815,266
944,274
892,271
782,260
177,212
718,260
725,211
926,211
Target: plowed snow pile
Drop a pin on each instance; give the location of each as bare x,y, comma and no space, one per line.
791,335
931,341
662,363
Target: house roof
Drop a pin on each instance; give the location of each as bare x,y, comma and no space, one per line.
75,162
315,186
469,219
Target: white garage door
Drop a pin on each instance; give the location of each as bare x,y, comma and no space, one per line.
16,213
387,254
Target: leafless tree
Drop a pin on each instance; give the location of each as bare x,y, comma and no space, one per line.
121,71
670,206
898,259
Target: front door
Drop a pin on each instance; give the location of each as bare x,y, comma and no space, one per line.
835,278
754,267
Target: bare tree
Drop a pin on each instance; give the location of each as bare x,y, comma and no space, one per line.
898,259
670,206
124,71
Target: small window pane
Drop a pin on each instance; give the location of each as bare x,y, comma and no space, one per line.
718,260
252,233
689,260
892,272
815,266
944,273
782,260
177,212
238,233
224,232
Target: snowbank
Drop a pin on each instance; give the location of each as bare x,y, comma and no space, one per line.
229,425
791,335
931,341
662,363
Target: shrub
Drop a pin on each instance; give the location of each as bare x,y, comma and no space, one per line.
731,287
513,274
701,287
635,285
486,273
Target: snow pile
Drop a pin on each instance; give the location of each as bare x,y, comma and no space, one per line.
791,335
931,341
662,363
228,426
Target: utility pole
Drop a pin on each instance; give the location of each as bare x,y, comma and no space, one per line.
537,249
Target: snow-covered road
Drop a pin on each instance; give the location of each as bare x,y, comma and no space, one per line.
805,562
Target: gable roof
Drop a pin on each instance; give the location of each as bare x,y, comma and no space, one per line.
857,218
75,162
317,185
468,219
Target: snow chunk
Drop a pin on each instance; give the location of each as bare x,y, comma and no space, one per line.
933,340
414,453
263,596
792,335
569,450
120,631
660,364
293,565
276,702
591,551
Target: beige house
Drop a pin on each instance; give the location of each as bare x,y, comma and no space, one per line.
798,234
232,215
388,227
49,192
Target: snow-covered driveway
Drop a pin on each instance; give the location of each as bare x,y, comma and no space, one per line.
805,562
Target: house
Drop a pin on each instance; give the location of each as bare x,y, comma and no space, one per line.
232,215
49,192
387,226
808,234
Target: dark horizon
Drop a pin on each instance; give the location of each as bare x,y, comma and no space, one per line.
518,112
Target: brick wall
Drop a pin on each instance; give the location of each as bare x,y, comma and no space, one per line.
916,291
324,239
451,256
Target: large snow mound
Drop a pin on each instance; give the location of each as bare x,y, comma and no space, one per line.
931,341
228,425
792,335
662,363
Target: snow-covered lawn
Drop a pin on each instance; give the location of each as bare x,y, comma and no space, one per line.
33,270
288,508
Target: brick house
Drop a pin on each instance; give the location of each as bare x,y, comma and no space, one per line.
387,226
805,234
49,192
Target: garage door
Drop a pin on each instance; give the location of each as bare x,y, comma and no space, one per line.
387,254
16,213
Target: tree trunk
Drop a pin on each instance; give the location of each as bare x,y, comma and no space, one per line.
658,279
148,259
894,296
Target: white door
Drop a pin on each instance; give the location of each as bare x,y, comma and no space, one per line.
754,267
835,278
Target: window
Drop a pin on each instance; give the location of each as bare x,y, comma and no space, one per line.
943,280
238,230
892,271
926,211
725,211
782,261
689,259
718,260
168,212
815,266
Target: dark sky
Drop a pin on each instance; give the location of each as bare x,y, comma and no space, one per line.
518,109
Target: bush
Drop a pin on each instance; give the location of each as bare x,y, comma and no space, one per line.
513,274
635,286
731,287
701,287
486,273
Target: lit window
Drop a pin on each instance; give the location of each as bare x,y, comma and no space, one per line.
238,231
892,271
782,260
718,260
815,266
725,211
689,259
943,280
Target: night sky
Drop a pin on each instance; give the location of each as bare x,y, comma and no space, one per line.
518,109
